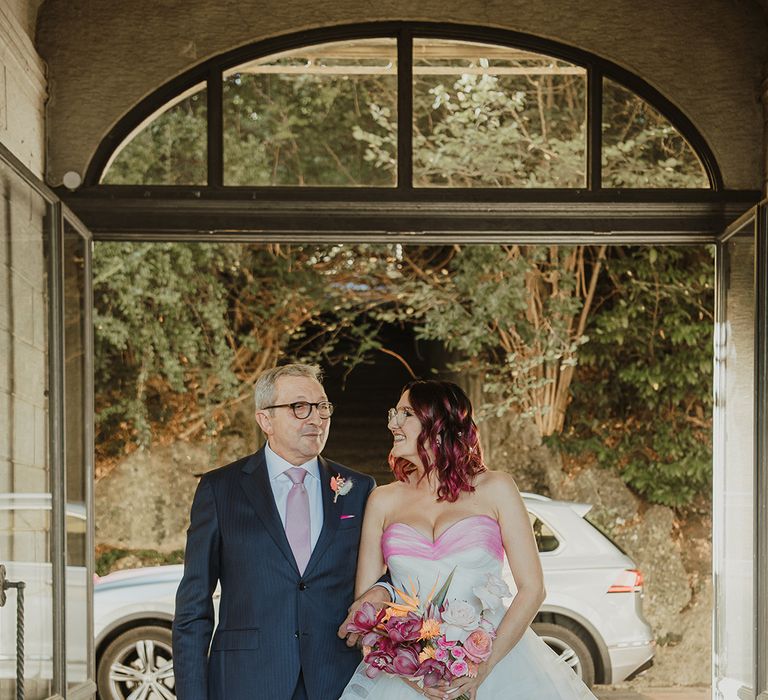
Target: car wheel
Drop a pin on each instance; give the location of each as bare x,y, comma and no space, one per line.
138,664
570,648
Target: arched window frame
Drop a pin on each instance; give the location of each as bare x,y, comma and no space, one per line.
211,73
215,212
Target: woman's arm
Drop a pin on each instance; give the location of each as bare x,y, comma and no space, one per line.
370,564
524,562
370,560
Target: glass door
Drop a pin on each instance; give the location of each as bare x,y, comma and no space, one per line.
46,443
78,457
741,459
27,529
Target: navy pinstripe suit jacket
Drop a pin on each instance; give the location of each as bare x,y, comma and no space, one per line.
273,621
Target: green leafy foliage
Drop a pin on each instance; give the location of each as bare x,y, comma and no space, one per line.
500,131
295,129
171,150
183,330
642,397
108,558
160,315
506,312
641,148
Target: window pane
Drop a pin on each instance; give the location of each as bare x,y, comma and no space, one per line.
323,115
169,148
25,480
77,458
734,482
641,148
493,116
546,540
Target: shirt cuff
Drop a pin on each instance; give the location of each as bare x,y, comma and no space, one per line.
387,587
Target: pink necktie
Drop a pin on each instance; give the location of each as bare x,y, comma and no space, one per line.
297,517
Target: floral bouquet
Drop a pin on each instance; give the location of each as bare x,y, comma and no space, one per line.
432,641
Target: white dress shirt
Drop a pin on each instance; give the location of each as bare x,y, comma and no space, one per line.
281,484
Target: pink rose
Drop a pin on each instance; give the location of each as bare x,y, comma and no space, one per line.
441,654
478,645
458,653
458,668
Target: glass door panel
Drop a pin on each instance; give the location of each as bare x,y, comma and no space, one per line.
26,527
739,442
78,453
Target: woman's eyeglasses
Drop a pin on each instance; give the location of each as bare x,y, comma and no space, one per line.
399,415
302,409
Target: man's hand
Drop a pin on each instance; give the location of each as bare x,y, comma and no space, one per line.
377,596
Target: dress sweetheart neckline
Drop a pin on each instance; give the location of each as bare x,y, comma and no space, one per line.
439,537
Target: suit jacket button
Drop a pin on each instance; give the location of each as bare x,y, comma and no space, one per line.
296,634
303,586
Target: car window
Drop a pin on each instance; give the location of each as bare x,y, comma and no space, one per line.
546,541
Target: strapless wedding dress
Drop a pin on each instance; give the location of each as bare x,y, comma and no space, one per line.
531,671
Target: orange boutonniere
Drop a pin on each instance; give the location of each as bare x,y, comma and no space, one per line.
340,486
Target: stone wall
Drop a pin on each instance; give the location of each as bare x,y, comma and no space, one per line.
144,502
23,294
23,338
22,86
24,534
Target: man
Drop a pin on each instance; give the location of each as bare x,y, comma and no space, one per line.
280,531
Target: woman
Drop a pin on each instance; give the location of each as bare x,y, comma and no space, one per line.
447,512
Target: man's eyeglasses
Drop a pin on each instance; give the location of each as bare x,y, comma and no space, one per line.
399,415
302,409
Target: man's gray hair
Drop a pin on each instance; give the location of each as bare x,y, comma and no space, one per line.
265,389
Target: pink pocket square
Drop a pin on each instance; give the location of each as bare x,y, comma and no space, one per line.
346,517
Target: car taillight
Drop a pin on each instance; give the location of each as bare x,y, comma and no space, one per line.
628,581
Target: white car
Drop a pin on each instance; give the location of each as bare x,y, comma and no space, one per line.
592,616
25,555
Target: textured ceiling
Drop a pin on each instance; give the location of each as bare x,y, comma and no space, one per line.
708,58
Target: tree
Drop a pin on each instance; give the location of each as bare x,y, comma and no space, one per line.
643,394
519,318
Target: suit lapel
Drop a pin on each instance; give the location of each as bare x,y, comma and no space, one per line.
331,515
254,479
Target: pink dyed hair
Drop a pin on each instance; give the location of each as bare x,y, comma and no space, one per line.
447,427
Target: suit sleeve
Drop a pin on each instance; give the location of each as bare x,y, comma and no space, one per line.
194,618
